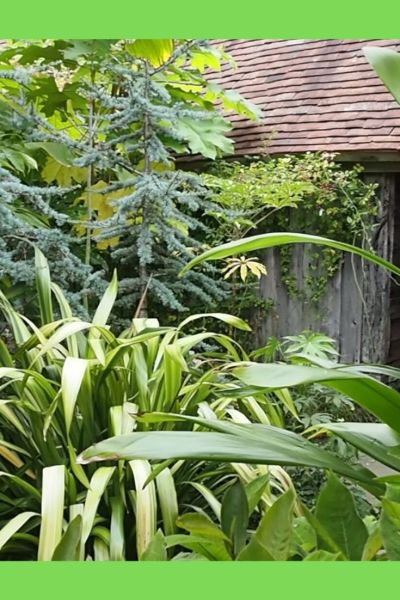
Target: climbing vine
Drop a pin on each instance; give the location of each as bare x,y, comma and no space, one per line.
311,193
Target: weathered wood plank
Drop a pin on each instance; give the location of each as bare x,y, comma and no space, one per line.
377,282
356,309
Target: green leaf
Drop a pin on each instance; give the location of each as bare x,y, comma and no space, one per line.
145,505
205,136
117,536
380,399
337,513
14,525
274,533
320,531
157,52
322,555
60,152
259,444
254,491
232,100
375,439
373,544
106,304
68,548
157,548
304,534
386,63
209,497
210,548
229,319
174,363
64,175
79,48
43,286
390,523
235,516
168,500
73,372
201,525
53,489
98,484
271,240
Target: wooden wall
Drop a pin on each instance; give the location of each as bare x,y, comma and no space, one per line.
394,350
355,309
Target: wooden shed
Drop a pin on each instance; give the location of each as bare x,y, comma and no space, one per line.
322,95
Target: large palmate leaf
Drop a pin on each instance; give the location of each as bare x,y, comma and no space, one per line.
205,136
270,240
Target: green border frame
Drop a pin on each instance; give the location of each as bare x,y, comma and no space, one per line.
198,580
201,19
206,18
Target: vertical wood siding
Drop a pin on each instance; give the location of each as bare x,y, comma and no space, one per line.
355,309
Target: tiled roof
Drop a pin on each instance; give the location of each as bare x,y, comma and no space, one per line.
314,94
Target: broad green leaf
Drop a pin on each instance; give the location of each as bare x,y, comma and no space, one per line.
67,330
156,550
322,555
304,535
157,52
43,286
390,523
168,500
98,484
101,550
375,439
209,497
23,485
229,319
321,532
235,516
259,444
68,548
386,63
71,380
65,176
60,152
107,302
337,513
173,363
211,549
117,536
205,136
53,490
201,525
274,533
76,510
254,491
14,525
373,544
66,313
86,48
271,240
380,399
145,505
